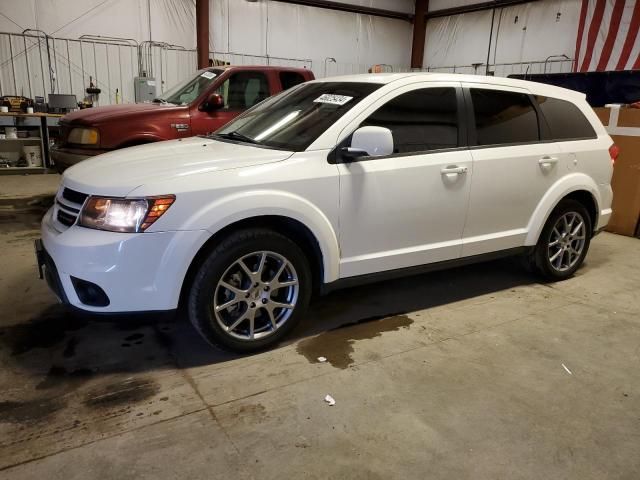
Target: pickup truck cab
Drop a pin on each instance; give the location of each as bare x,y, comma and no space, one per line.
199,105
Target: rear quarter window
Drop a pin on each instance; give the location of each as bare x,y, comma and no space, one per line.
564,120
290,79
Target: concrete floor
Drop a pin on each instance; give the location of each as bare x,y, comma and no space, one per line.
474,373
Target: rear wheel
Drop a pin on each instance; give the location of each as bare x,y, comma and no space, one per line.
564,241
251,290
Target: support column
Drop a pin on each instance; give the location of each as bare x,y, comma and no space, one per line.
419,33
202,32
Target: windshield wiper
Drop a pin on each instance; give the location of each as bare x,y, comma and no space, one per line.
237,136
162,101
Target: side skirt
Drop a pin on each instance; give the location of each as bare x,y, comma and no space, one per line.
416,270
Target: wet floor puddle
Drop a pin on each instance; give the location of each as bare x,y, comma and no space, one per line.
336,345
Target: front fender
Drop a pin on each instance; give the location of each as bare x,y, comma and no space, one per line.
559,190
240,206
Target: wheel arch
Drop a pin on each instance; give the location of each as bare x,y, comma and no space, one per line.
579,187
292,228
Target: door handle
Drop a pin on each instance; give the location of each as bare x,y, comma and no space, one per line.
547,161
453,169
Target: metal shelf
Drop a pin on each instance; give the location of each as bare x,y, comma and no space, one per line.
28,139
32,122
21,170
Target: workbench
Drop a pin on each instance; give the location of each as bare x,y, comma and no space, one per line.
41,129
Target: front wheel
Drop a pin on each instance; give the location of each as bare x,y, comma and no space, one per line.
564,241
251,290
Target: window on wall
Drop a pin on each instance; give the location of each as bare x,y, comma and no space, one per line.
504,117
564,119
244,90
420,120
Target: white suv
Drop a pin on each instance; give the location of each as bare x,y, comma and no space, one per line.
331,183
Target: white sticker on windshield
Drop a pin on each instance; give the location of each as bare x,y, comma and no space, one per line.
208,75
333,99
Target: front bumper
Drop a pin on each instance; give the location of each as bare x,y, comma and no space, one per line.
138,272
48,271
64,158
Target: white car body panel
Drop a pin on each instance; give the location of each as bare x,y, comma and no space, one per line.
407,194
367,216
146,164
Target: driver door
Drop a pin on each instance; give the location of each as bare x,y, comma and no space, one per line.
240,91
407,208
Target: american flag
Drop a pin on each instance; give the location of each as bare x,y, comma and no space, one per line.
608,36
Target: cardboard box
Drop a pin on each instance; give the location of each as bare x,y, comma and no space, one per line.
623,124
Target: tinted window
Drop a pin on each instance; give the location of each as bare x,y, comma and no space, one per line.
244,90
564,119
504,117
290,79
420,120
293,119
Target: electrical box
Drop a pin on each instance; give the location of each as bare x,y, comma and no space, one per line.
145,89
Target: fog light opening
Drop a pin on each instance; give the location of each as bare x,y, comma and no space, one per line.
90,293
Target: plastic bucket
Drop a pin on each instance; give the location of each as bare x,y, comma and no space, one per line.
33,155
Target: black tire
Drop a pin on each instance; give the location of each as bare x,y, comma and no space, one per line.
539,258
218,262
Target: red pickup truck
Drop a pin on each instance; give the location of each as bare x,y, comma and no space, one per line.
199,105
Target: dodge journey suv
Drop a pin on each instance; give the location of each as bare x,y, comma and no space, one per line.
331,183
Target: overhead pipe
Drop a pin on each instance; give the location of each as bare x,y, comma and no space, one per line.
345,7
52,73
475,7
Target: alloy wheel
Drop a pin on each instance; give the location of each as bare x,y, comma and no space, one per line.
256,295
567,241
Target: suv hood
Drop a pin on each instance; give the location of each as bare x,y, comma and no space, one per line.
97,115
119,172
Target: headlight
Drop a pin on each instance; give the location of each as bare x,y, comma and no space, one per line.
124,215
84,136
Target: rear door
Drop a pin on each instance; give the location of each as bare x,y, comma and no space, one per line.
513,167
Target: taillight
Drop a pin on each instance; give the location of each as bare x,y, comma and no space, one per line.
614,151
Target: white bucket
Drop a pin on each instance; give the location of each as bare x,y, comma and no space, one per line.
11,132
33,155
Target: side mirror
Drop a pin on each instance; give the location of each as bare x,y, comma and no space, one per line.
369,142
213,102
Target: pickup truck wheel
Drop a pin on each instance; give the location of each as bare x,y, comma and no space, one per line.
252,289
564,241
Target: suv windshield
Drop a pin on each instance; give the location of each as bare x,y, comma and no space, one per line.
188,90
294,119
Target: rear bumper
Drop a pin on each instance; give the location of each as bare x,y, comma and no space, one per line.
64,158
603,219
604,215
